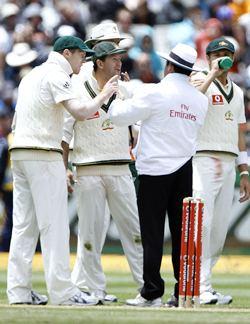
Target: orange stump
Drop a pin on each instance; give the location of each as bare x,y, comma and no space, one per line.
190,258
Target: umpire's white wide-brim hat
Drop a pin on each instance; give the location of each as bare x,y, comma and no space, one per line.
21,54
103,32
182,55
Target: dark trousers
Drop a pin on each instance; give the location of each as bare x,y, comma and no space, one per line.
158,195
8,224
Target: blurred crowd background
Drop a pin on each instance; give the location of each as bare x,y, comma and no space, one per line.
28,29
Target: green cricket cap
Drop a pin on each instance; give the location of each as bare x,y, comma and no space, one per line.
219,44
103,49
71,42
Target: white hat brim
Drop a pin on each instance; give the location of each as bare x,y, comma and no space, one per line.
168,58
15,60
101,39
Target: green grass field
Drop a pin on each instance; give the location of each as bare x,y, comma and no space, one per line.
120,283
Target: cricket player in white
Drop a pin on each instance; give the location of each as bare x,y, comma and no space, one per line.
221,142
40,190
101,156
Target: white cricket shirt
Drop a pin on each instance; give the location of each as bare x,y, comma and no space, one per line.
96,139
171,113
226,111
39,111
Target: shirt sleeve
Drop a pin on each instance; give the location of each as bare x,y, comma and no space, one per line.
68,127
128,112
61,87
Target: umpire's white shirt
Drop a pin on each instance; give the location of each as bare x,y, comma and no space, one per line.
171,112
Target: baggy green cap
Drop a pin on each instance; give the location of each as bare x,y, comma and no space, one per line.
219,44
71,42
103,49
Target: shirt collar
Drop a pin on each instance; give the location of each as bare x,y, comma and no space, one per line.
59,59
94,82
228,86
175,76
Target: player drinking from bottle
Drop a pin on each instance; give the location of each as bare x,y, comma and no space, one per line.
221,142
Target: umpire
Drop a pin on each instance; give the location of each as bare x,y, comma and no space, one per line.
171,112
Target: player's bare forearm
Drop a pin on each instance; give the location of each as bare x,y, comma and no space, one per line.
65,147
81,110
70,176
203,85
243,167
242,145
213,73
242,136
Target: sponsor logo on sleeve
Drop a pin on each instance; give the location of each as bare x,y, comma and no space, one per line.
66,85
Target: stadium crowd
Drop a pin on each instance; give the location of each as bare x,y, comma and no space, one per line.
28,29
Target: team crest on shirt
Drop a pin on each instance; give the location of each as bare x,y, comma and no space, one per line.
229,115
66,85
107,124
217,99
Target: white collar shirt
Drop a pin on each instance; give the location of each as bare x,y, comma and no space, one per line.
171,113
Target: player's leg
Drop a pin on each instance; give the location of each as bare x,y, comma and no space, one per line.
121,198
24,238
222,212
207,181
91,202
49,190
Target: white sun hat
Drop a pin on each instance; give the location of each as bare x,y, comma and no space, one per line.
102,32
32,10
8,9
183,56
127,41
66,30
21,54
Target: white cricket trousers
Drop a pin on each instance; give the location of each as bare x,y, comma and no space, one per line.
40,207
92,194
213,180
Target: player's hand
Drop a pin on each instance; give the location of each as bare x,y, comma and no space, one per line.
110,87
244,188
125,76
215,69
197,83
70,181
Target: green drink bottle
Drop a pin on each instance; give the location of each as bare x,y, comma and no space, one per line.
225,63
